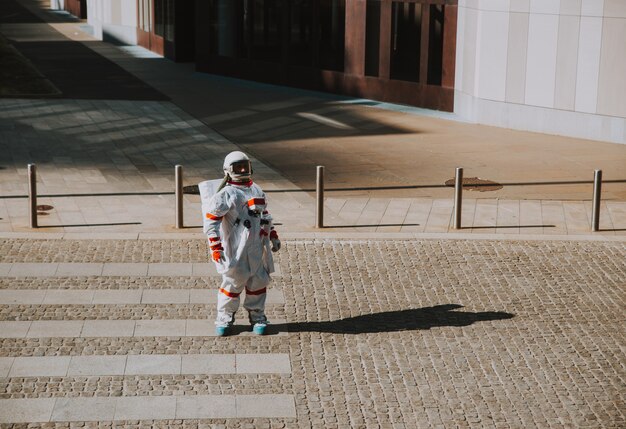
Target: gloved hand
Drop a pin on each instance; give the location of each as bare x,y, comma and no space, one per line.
217,251
218,255
275,241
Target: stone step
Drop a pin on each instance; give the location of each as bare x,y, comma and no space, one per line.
119,296
44,410
110,269
125,328
146,364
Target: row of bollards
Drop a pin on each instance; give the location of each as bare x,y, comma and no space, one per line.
597,191
178,183
32,195
595,213
319,190
319,197
319,212
458,198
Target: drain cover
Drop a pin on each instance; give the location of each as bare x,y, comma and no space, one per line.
192,189
476,184
44,207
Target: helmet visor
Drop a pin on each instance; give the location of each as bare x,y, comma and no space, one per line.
240,168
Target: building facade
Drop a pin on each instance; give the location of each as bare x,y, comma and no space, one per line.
167,27
552,66
77,8
113,20
398,51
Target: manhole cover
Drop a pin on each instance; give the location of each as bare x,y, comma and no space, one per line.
476,184
192,189
44,207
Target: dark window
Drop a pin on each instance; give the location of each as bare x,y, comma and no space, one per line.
372,37
316,33
435,45
164,19
169,20
145,15
299,32
225,27
262,36
406,20
158,17
332,29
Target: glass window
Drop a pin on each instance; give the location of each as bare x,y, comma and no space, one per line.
332,21
311,31
169,20
372,37
149,16
435,45
262,35
164,19
140,14
299,32
159,17
225,22
145,17
406,22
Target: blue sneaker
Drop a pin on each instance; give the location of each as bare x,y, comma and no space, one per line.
222,330
259,328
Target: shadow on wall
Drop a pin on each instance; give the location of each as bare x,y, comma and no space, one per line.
114,39
396,321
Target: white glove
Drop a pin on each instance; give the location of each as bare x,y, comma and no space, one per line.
217,251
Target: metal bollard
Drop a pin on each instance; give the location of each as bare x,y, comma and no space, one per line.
458,196
178,173
597,197
319,189
32,194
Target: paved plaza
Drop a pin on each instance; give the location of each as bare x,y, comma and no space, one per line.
366,334
108,166
386,318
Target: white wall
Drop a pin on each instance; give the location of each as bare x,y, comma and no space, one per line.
57,4
113,20
552,66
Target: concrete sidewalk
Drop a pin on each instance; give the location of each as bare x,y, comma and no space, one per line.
107,165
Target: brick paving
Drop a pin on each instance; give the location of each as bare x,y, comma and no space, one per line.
389,334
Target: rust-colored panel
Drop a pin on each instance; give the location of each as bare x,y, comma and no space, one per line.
449,46
424,43
143,38
354,58
156,44
385,40
77,8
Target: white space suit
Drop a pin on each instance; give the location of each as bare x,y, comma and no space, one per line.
241,238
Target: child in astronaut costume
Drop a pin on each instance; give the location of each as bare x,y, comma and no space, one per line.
241,235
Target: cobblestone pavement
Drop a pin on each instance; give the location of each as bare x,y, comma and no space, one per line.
382,334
